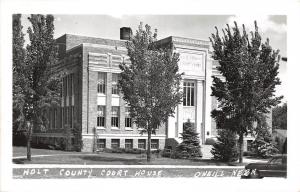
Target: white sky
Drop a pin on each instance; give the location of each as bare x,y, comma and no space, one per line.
192,26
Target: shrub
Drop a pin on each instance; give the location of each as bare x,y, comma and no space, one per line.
264,149
190,145
262,145
225,149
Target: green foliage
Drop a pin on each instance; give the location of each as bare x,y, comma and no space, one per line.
42,85
19,56
263,145
225,149
35,86
150,84
190,145
249,70
279,117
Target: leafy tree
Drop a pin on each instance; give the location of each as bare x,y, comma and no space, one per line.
40,86
150,84
225,149
263,145
249,68
190,141
279,117
19,55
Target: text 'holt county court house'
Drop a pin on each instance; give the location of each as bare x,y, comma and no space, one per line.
92,109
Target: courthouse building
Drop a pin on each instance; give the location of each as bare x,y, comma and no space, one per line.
92,109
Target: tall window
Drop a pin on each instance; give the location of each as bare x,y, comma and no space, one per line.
101,83
66,115
188,94
114,84
62,117
142,143
127,117
72,84
128,143
115,116
71,116
101,116
115,143
54,118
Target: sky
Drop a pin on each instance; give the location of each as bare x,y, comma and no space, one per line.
273,27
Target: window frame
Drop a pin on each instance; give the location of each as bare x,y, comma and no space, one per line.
114,84
189,93
129,142
99,143
115,118
154,143
117,143
128,119
99,116
101,83
142,142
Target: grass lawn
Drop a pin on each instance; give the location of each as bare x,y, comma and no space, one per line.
46,156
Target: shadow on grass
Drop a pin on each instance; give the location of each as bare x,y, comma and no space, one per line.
215,162
20,161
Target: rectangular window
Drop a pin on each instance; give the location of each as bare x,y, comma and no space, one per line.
66,116
66,87
72,84
62,117
115,116
70,78
54,118
101,83
154,143
101,116
115,143
127,117
101,143
114,84
142,143
188,93
71,116
128,143
69,84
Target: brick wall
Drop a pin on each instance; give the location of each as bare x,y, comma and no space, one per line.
74,40
92,116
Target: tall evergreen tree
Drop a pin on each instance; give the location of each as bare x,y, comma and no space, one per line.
263,145
190,141
250,70
225,149
150,84
40,86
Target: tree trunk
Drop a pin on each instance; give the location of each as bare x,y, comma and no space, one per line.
241,147
29,131
149,146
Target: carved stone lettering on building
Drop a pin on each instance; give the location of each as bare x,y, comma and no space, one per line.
191,63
